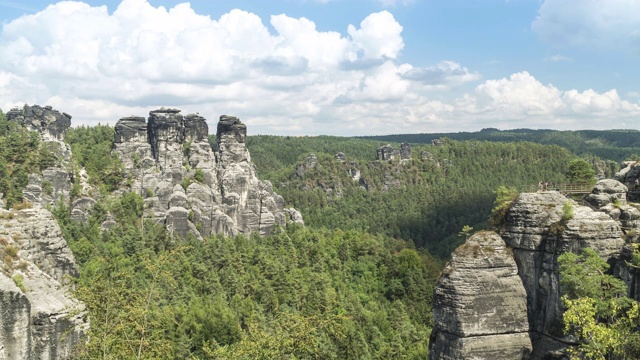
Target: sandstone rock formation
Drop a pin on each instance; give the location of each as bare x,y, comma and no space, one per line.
387,152
51,123
53,183
629,173
536,234
480,307
189,186
39,320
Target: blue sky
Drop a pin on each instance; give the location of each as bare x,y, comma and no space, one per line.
338,67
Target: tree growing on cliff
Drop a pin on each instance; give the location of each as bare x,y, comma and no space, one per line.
580,171
504,199
597,311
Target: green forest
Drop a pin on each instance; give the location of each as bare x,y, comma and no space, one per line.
356,282
426,200
614,145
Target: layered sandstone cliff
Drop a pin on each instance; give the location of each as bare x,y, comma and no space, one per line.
480,307
533,237
39,318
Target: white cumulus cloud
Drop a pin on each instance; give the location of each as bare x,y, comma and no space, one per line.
285,77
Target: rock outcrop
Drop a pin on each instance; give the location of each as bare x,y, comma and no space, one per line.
54,183
40,320
51,123
189,186
535,233
480,307
538,235
387,152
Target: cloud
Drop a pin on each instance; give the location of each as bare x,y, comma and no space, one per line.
595,24
288,78
145,56
445,74
379,36
509,101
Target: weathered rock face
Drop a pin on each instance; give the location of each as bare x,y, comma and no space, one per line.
405,151
192,188
45,120
384,153
629,173
537,236
54,183
39,319
387,152
480,308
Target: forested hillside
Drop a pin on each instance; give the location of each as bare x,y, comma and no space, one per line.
427,199
614,145
301,293
355,283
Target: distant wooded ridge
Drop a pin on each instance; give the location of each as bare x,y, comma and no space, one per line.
616,144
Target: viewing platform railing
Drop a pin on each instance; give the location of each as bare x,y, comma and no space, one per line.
563,188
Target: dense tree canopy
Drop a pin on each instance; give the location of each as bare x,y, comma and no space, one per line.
300,293
598,312
427,199
580,171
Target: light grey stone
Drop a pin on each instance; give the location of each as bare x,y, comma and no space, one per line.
480,304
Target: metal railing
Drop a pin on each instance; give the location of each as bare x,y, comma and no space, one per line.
563,188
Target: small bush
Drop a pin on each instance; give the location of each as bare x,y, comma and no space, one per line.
557,228
616,203
149,193
567,211
11,250
199,175
8,215
186,148
47,187
23,265
186,182
8,262
504,199
19,281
